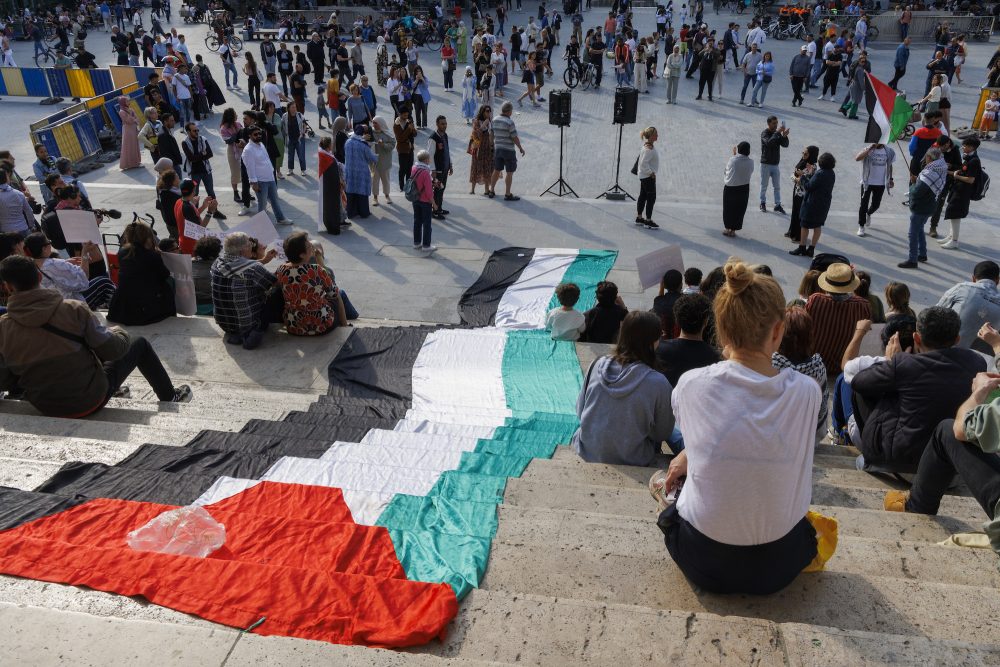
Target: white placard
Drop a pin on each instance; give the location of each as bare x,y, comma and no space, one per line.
261,228
193,230
79,226
653,265
179,266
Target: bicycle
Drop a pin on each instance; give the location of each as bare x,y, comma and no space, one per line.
427,36
47,58
212,42
572,77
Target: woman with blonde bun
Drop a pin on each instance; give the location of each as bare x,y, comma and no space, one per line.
739,523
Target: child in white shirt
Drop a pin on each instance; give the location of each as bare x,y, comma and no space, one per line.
564,322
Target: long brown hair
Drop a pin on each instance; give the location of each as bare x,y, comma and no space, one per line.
797,343
638,332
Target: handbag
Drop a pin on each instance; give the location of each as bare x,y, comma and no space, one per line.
635,167
767,78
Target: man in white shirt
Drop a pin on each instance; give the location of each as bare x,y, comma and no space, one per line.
876,175
861,33
756,36
182,90
260,173
811,52
272,91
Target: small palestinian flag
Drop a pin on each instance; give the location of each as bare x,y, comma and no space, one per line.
888,112
329,193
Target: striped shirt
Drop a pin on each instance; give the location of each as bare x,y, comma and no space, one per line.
834,319
504,133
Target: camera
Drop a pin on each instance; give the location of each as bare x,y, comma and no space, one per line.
112,213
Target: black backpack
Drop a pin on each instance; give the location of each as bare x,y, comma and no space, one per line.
822,261
981,185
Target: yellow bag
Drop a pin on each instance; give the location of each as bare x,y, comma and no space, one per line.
826,540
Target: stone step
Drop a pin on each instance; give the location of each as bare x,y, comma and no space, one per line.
571,469
130,417
527,492
223,395
538,629
39,636
179,430
154,413
26,474
61,448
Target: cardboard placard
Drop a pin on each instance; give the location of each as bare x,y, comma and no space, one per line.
79,226
653,265
179,266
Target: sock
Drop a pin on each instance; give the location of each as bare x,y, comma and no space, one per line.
955,224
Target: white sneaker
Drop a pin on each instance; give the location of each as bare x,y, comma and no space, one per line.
868,220
284,221
245,211
821,97
862,232
946,239
429,248
950,245
417,246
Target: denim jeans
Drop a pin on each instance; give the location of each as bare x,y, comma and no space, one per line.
770,171
296,147
422,223
269,193
759,87
749,81
816,71
230,67
187,111
918,242
206,180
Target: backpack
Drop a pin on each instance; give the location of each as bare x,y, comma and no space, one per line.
981,185
410,190
823,260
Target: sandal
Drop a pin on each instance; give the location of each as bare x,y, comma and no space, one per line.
658,489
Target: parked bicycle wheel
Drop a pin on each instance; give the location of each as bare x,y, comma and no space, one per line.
872,34
236,43
571,77
212,42
433,40
45,59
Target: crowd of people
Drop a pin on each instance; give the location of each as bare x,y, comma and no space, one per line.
792,374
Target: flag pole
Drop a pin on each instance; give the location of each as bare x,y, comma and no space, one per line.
903,154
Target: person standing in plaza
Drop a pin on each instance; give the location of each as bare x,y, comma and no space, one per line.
964,186
876,176
130,155
765,74
772,140
481,149
748,66
818,185
672,67
923,197
422,175
798,72
405,133
904,23
385,143
197,154
294,130
899,62
736,191
359,158
647,164
440,151
227,55
505,139
260,174
268,55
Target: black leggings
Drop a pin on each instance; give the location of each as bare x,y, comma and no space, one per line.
830,83
647,196
419,110
405,164
253,89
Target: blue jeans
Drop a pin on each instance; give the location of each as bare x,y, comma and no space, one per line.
749,80
422,223
918,242
187,111
39,47
817,68
293,147
842,407
230,67
759,87
207,181
269,193
774,173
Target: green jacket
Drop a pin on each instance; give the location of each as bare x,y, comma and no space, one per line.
982,428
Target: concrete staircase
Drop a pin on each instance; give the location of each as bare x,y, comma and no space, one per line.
578,572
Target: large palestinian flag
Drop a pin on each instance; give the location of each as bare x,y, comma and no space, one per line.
888,112
362,520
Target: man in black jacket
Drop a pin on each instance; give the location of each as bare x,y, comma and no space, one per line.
900,401
772,140
167,144
316,53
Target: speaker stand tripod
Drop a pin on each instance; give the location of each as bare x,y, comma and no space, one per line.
564,188
616,192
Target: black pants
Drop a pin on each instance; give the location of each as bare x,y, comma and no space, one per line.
244,186
419,110
736,58
939,206
598,70
794,230
405,164
253,89
871,198
284,83
449,79
142,356
943,458
797,84
442,176
830,83
647,196
706,78
318,70
900,73
715,567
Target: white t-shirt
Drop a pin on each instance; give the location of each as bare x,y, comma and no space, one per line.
876,164
565,324
828,49
272,93
749,475
182,86
811,51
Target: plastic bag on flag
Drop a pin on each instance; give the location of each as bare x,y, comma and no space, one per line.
185,531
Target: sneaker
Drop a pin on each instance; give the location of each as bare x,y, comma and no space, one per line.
253,340
233,339
284,221
640,221
182,394
799,252
245,211
437,216
821,97
868,219
895,501
922,258
649,224
933,233
944,239
861,232
429,248
219,215
763,207
444,211
950,245
416,246
907,265
778,209
345,223
658,489
511,198
123,392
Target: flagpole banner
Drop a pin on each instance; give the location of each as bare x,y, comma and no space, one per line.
362,520
888,112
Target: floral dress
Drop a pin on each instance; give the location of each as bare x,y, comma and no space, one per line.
309,292
481,150
382,63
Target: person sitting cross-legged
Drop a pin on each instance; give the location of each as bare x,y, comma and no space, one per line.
70,277
312,301
240,290
740,524
967,446
60,355
899,402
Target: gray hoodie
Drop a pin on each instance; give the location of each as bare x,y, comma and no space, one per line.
625,414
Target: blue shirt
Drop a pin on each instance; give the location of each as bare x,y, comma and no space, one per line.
358,155
902,56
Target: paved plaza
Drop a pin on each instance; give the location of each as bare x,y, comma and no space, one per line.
375,260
